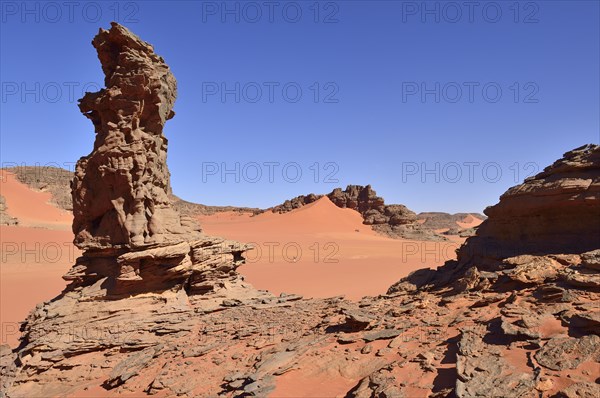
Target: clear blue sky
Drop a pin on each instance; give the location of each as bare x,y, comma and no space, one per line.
372,118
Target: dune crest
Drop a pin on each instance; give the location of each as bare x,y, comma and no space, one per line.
322,250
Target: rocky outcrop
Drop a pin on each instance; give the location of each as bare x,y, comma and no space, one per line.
495,336
371,207
556,211
395,221
120,191
133,238
533,265
295,203
5,218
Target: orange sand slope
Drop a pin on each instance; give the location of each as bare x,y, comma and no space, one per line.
321,250
470,222
32,259
318,250
31,208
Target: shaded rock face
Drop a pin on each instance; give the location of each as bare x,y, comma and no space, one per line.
120,191
556,211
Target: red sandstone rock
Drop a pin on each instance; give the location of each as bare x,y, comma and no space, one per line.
556,211
120,190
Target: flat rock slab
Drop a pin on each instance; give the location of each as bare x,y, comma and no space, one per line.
381,335
568,353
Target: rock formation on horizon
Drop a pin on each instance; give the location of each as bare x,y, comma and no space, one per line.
395,221
534,265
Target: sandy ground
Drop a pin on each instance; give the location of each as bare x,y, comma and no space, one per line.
469,222
34,255
32,208
321,250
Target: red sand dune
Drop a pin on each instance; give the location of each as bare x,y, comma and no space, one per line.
34,255
31,208
33,261
469,222
321,250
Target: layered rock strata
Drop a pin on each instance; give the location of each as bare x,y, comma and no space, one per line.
133,239
555,211
120,190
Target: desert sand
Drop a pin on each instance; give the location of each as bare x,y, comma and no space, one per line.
469,222
35,254
321,250
32,208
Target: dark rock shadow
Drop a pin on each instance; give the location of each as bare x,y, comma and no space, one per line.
444,382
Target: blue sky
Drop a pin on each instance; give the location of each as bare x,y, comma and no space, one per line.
441,106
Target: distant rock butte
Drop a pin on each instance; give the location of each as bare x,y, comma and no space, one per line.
158,304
